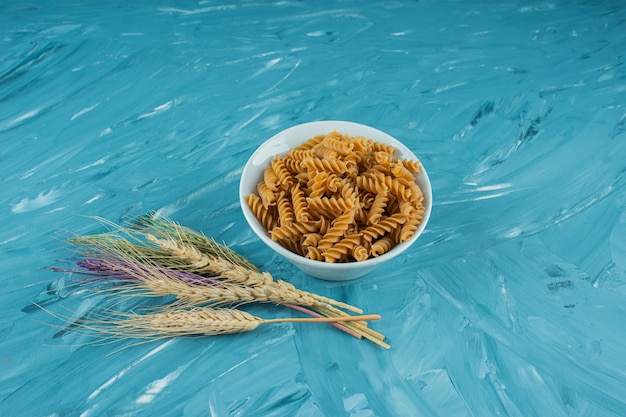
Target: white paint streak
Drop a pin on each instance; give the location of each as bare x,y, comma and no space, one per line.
158,109
83,111
43,199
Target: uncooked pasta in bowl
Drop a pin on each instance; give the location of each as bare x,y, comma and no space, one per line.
335,198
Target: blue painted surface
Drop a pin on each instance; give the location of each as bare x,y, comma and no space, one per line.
512,303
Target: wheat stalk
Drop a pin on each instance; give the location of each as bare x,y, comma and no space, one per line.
198,321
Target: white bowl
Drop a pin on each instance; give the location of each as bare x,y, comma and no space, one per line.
289,138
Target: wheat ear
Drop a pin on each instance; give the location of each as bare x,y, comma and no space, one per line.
159,281
179,323
164,227
261,282
199,262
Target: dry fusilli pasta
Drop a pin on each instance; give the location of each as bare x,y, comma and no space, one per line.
339,198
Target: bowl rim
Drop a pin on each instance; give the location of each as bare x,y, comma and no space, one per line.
327,126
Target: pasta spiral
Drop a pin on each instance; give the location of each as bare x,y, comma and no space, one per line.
341,249
260,212
282,172
381,246
331,206
384,225
335,166
337,230
270,178
377,209
285,210
299,204
289,231
334,141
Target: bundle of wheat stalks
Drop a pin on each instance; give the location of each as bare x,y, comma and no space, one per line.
205,283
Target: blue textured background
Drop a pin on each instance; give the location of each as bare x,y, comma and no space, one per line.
512,303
